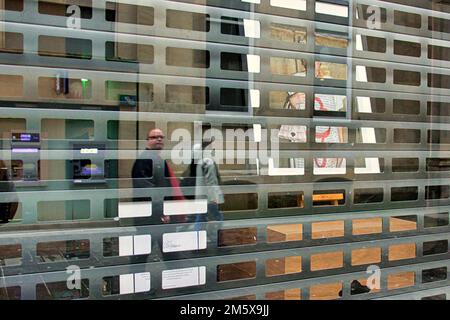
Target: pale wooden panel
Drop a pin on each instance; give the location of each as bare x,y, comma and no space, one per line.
286,232
402,251
327,291
367,226
397,224
331,229
329,260
366,256
401,280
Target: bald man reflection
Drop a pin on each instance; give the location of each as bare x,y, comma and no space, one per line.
151,171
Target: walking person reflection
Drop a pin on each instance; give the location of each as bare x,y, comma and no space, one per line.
207,184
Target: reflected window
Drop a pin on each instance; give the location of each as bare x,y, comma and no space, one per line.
63,250
288,33
402,223
237,237
407,78
187,94
405,48
11,42
438,24
187,20
63,210
242,201
435,274
402,106
370,74
407,19
369,165
240,27
11,85
278,200
331,134
330,103
327,38
10,255
129,52
65,47
328,197
329,70
404,193
236,271
10,293
59,291
288,100
438,53
435,220
369,43
240,62
60,7
128,13
368,195
288,66
436,80
126,93
61,87
370,135
435,108
193,58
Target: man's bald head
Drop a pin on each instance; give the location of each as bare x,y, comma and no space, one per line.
155,139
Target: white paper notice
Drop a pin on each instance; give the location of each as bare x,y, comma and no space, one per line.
135,209
180,278
126,283
253,63
332,9
176,207
142,282
361,74
126,246
257,132
254,98
252,28
184,241
142,244
289,4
